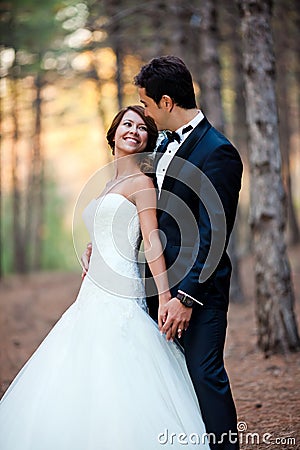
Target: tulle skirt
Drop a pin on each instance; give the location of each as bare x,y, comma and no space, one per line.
103,379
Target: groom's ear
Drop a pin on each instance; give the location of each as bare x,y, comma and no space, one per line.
166,103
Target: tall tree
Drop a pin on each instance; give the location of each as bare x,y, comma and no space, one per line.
115,33
210,65
277,327
157,22
30,29
20,261
36,194
236,127
1,197
179,13
284,56
211,102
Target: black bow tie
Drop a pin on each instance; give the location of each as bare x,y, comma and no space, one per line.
186,129
172,136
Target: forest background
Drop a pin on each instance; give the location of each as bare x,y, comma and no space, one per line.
66,69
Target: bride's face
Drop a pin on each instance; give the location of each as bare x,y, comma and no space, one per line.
131,135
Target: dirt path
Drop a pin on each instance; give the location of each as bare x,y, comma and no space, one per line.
267,391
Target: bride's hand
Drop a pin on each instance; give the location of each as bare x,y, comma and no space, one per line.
175,318
162,309
85,259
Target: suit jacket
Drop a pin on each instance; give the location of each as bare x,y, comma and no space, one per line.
196,213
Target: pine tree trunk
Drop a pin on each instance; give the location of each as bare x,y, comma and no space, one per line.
19,248
277,327
112,7
211,100
38,179
240,132
236,285
209,72
119,67
240,135
177,12
157,19
283,45
1,212
284,132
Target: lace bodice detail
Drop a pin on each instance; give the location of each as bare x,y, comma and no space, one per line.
114,228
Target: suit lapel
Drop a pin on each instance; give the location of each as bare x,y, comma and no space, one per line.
183,153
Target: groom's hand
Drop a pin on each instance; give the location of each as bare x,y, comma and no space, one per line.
173,317
85,259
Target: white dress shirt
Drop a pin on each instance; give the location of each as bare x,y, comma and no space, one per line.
172,149
167,157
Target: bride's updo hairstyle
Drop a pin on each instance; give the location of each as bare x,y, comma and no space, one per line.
149,122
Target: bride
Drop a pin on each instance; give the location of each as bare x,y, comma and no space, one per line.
105,378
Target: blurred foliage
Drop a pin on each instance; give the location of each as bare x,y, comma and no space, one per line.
58,250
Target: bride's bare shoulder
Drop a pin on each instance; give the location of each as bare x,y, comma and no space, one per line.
142,181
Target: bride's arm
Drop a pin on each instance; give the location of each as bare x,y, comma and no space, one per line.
145,200
85,259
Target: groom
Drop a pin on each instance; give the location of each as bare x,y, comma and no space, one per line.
198,175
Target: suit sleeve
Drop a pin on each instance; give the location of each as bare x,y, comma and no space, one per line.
218,197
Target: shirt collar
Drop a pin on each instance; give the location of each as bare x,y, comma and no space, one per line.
194,122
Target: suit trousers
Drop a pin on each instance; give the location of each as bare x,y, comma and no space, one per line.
203,343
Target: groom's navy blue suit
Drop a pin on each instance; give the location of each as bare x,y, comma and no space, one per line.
189,214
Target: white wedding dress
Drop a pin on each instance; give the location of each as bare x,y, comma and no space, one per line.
104,378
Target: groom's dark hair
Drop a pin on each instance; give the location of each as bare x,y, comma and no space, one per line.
167,75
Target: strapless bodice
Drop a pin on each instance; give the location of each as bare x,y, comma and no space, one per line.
114,228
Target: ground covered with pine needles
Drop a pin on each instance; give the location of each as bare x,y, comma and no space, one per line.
266,390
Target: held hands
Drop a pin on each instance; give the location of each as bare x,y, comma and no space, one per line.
85,259
173,317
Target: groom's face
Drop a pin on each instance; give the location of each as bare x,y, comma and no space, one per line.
158,112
